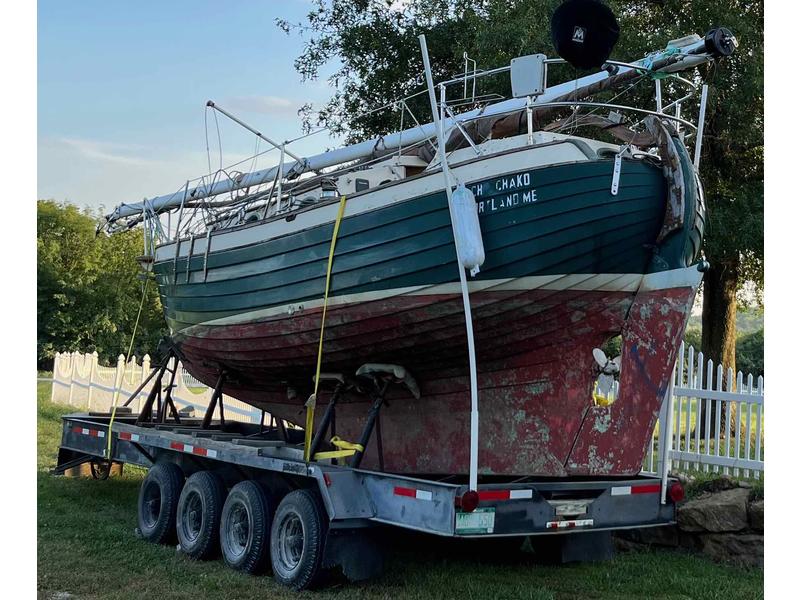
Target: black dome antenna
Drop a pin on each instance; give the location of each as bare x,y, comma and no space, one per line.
584,32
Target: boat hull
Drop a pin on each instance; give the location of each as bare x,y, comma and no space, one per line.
536,371
568,266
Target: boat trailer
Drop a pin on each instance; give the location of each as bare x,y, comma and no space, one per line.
245,488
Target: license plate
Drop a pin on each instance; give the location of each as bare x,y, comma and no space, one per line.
481,520
566,508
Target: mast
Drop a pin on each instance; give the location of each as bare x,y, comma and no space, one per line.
693,52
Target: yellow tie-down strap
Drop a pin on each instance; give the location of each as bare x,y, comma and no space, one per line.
311,403
600,399
345,449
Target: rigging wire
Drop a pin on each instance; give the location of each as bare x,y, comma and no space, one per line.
127,358
219,140
209,210
208,150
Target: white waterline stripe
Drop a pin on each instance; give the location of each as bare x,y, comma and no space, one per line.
601,282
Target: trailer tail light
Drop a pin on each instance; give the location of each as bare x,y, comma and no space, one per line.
469,501
676,492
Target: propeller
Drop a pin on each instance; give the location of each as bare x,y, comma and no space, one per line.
608,369
607,366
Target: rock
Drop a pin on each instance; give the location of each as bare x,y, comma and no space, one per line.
626,545
688,541
755,515
683,478
720,512
658,536
743,549
720,484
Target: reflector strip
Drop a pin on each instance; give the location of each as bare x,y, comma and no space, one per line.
646,489
90,432
193,449
494,495
521,494
412,493
570,524
131,437
505,494
626,490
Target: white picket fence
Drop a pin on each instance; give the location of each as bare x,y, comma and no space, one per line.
691,419
80,381
699,394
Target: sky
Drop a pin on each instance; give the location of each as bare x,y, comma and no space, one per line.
122,88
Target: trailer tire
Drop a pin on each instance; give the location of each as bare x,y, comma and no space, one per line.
244,528
158,502
198,515
297,541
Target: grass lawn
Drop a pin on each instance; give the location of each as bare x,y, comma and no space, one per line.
86,547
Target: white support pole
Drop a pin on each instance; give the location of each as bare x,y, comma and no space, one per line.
659,106
212,104
473,374
701,121
529,115
280,179
665,437
145,373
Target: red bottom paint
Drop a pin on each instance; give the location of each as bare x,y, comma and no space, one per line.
536,375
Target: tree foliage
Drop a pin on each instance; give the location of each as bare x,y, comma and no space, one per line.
732,163
750,353
374,48
88,287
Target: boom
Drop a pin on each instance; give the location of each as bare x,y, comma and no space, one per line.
692,51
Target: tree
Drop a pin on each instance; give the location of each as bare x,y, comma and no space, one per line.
732,163
88,288
379,61
750,353
379,58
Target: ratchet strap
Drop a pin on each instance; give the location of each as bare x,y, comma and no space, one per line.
345,449
311,403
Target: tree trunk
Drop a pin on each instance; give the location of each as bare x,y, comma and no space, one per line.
719,331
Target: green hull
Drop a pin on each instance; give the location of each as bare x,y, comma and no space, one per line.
554,220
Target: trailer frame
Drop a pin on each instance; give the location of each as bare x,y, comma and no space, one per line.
358,499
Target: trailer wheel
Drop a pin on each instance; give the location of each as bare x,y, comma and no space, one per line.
244,527
297,539
158,502
198,515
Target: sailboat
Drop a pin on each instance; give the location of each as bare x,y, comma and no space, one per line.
584,238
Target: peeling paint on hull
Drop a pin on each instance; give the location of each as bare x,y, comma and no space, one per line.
535,373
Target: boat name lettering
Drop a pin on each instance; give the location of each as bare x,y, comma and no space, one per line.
510,182
509,201
513,182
